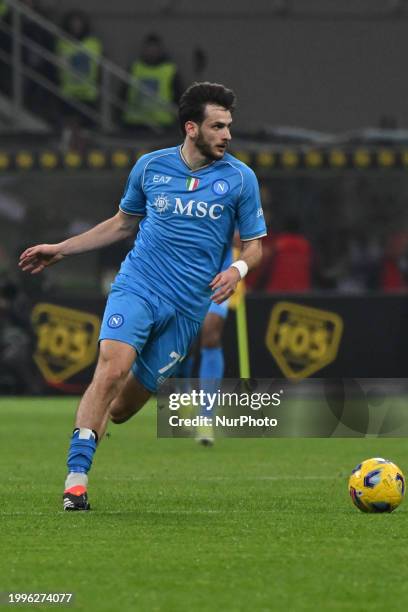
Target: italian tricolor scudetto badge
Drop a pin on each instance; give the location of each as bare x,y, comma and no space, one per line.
192,183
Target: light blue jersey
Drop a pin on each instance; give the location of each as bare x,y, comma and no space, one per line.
188,225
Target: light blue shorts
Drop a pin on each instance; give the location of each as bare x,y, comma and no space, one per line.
219,309
160,334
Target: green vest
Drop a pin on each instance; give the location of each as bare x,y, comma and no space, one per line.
145,109
79,80
3,9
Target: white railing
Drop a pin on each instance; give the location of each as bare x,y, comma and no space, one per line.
112,80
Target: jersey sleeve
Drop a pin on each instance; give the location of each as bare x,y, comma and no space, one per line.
250,218
133,201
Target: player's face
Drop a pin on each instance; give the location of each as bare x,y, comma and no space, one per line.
213,135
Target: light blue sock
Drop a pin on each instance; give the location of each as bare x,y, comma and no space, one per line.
186,367
185,371
82,450
211,372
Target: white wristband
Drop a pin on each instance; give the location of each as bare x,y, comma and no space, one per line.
241,266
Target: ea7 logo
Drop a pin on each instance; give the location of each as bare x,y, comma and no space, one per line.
159,178
198,209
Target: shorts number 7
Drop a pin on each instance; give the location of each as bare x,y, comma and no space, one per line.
175,358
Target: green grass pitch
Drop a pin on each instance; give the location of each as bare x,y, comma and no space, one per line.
255,524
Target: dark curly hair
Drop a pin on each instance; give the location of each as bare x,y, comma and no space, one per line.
194,100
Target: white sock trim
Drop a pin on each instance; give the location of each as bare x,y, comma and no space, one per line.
76,479
85,434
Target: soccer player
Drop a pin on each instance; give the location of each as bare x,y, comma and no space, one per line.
189,198
211,368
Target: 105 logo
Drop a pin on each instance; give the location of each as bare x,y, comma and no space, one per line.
66,340
303,339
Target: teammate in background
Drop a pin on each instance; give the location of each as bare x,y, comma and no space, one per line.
211,369
190,198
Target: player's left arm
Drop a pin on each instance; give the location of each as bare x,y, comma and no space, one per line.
225,283
251,227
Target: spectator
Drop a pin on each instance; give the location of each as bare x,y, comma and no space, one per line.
156,84
331,265
394,270
291,268
5,47
79,78
36,97
363,260
17,373
287,261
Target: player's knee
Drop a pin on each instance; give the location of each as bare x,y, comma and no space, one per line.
211,333
211,339
113,364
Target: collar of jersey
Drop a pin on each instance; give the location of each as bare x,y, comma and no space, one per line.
190,169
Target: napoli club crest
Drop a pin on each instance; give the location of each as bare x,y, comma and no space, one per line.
115,321
220,187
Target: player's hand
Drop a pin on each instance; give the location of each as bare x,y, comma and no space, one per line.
36,258
224,285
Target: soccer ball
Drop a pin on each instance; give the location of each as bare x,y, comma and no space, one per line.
377,485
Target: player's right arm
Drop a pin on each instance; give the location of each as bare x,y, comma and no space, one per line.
36,258
132,207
